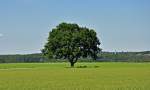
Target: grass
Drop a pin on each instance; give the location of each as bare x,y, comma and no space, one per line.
86,76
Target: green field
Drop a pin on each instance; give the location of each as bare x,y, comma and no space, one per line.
58,76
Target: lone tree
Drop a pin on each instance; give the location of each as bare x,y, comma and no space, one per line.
69,41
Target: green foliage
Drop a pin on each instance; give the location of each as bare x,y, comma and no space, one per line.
69,41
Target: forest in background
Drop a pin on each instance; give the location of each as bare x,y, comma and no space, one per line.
102,57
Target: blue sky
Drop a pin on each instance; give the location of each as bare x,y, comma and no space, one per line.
122,25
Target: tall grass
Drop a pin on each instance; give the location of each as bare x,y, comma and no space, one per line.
57,76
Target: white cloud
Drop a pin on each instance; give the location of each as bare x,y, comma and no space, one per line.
1,35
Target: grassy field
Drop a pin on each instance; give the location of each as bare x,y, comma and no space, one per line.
57,76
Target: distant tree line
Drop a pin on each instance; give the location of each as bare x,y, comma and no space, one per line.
124,56
102,57
21,58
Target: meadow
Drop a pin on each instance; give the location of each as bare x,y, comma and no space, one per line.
85,76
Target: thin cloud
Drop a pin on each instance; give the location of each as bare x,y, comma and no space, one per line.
1,35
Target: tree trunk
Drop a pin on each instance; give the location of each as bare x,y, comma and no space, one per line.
72,64
72,61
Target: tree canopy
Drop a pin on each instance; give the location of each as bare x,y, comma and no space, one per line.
70,41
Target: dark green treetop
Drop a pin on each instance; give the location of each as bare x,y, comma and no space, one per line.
69,41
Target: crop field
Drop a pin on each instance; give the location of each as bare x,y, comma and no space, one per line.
85,76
